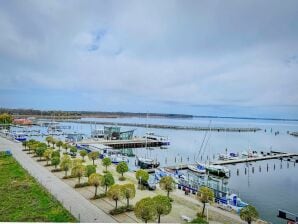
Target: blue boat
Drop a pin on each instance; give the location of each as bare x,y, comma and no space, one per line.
232,201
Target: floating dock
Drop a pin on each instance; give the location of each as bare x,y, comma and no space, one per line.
279,155
276,155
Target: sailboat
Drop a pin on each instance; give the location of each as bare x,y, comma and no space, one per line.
216,170
198,168
147,163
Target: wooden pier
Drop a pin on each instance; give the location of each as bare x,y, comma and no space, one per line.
275,155
254,159
120,144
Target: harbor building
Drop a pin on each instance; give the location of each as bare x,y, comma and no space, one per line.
114,133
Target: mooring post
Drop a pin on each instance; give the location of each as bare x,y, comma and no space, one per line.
237,172
253,169
245,170
259,168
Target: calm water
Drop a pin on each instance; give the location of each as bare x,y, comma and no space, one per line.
267,190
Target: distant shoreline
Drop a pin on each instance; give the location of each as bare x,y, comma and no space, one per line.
57,114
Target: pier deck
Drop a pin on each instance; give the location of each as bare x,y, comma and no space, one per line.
277,155
119,144
254,159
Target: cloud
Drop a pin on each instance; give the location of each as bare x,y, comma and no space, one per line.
194,52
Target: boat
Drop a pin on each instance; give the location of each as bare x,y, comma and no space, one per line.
145,163
230,156
20,136
233,201
199,168
163,140
250,154
118,158
218,170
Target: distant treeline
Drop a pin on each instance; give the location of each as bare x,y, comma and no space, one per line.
60,113
33,112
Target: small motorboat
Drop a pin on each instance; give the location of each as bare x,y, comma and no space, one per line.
118,158
218,170
199,168
20,136
233,201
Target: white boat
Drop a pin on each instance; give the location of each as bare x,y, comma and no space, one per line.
231,156
218,170
152,136
233,201
250,154
118,158
199,168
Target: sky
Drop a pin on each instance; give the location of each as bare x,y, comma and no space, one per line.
195,57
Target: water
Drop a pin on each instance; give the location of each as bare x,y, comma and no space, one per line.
267,191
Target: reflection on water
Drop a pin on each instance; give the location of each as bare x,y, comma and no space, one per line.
267,189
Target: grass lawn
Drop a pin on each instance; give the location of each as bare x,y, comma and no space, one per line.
23,199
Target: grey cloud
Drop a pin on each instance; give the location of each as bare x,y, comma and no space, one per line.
196,52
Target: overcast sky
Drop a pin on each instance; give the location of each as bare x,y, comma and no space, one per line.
157,56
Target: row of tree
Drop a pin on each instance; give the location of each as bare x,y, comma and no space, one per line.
147,209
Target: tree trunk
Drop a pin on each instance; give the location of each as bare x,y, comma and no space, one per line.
146,221
158,218
122,174
106,168
203,210
95,192
249,221
127,200
116,203
79,180
47,162
93,162
168,194
106,188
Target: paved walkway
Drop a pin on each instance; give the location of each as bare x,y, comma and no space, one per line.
73,201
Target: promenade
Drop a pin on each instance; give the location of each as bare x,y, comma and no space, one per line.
73,201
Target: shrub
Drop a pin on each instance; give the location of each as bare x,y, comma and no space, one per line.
81,185
121,210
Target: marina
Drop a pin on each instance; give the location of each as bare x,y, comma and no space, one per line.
171,160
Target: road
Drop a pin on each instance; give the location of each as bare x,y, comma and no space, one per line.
73,201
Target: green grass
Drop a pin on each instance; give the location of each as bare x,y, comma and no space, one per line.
23,199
